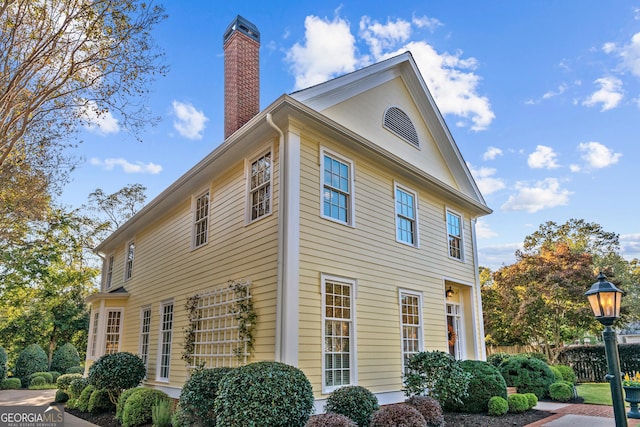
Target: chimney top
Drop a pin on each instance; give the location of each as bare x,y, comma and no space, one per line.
244,26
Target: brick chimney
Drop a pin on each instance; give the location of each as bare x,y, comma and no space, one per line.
241,44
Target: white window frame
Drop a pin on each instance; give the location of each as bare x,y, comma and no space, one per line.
353,371
106,333
403,324
162,342
196,220
129,259
461,237
351,195
108,278
93,349
455,312
145,335
269,183
416,237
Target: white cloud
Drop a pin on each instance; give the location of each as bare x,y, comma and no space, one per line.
426,22
574,168
127,167
381,37
561,89
598,155
630,55
630,245
189,122
485,180
497,256
100,122
609,95
543,158
329,50
543,195
609,47
483,231
492,153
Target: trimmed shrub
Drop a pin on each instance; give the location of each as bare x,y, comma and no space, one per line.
330,420
116,372
535,355
139,406
556,373
76,387
48,378
54,377
498,406
99,402
264,394
122,400
528,375
82,402
561,391
3,364
37,382
75,370
71,403
567,373
198,396
518,403
65,357
10,384
532,399
61,396
397,415
429,408
64,381
355,402
31,359
486,381
437,374
496,359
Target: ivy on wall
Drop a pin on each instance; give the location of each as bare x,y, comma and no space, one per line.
193,314
246,315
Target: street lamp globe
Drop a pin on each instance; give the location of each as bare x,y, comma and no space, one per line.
605,299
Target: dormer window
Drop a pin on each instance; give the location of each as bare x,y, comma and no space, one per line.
398,122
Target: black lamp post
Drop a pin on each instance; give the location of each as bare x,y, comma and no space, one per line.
605,301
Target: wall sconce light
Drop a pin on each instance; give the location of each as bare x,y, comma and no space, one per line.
449,293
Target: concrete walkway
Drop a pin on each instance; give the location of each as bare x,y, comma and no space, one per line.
39,398
571,415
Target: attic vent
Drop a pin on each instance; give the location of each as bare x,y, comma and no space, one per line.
399,123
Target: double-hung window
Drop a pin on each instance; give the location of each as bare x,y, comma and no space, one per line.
109,275
454,232
145,328
338,350
166,332
406,216
128,266
260,187
93,335
411,324
201,220
337,189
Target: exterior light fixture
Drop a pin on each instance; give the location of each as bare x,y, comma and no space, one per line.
449,293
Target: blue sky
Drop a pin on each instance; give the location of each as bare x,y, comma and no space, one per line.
542,98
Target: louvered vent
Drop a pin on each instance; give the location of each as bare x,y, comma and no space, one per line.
399,123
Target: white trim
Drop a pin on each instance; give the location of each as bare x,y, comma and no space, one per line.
476,309
172,391
163,304
194,208
416,233
462,240
248,161
351,211
353,356
421,329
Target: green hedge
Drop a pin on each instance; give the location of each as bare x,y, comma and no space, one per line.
589,362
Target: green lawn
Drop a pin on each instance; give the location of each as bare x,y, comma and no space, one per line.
595,393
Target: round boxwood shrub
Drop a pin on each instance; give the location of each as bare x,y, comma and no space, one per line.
64,381
264,394
10,384
518,403
198,396
61,396
528,375
397,415
65,357
48,378
355,402
99,402
429,408
3,364
561,391
486,381
76,387
556,373
437,374
54,377
138,409
122,400
330,420
116,372
567,372
498,405
75,370
37,381
82,402
31,359
532,398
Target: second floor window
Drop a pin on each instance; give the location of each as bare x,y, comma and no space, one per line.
109,277
128,267
406,231
260,187
201,220
454,231
337,190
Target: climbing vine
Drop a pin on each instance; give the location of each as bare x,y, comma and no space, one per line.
245,313
193,314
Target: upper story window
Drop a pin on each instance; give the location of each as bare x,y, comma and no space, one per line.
109,276
398,122
337,189
201,220
260,187
406,216
128,266
454,232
